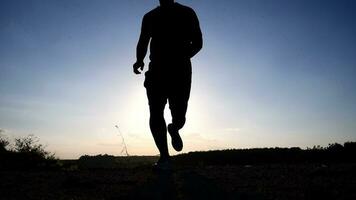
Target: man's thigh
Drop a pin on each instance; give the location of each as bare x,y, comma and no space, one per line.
178,98
157,100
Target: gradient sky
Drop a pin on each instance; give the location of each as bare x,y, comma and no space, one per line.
271,73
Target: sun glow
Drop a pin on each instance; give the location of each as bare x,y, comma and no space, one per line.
134,123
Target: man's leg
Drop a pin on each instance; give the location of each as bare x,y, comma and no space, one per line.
178,109
157,102
178,104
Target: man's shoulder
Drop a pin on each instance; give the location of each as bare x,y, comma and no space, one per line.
185,8
152,12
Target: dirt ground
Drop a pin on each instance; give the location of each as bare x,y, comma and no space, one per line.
273,181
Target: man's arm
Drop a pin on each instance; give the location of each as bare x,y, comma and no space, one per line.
142,46
197,38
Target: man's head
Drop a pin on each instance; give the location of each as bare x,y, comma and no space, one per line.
166,2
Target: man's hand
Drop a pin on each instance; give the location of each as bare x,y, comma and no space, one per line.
138,65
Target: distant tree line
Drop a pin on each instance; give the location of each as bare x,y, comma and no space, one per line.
98,161
24,153
28,153
332,153
113,162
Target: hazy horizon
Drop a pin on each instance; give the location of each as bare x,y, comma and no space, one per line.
271,73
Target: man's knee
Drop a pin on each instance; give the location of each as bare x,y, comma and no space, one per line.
156,117
178,122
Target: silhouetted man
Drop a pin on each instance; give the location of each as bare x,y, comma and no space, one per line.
175,37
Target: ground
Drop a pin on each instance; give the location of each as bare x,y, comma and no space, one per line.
272,181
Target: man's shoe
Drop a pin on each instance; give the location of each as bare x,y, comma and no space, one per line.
177,142
165,165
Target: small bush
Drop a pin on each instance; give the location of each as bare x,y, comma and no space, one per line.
4,142
25,153
335,147
30,145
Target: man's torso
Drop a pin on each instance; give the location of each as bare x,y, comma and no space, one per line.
171,32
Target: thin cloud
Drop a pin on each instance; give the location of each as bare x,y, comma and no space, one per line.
3,131
199,137
232,130
110,144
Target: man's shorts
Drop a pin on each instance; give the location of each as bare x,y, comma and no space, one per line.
170,82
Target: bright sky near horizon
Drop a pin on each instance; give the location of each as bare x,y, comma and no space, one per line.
271,73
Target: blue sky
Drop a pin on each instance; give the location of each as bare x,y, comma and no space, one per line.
271,73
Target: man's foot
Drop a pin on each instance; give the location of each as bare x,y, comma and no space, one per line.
163,165
177,142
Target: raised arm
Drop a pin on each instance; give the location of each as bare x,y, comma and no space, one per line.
197,38
142,45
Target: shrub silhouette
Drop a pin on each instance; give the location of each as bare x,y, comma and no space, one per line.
26,153
3,143
30,145
335,147
350,146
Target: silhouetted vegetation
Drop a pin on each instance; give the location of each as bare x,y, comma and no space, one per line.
3,142
25,153
28,153
260,173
